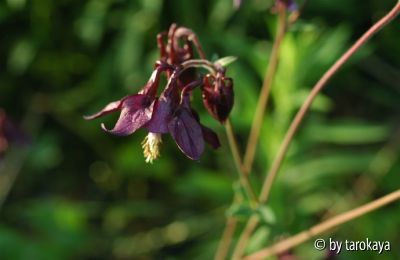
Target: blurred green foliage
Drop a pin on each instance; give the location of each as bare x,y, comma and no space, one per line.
82,193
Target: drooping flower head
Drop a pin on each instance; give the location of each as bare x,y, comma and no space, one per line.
171,112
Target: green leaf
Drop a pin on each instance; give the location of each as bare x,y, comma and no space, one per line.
266,214
259,239
240,211
347,132
225,61
313,170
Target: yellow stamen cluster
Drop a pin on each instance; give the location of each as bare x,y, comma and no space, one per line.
150,146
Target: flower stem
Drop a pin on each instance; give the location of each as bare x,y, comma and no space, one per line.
231,222
265,92
244,237
270,177
325,226
238,163
226,239
199,63
183,31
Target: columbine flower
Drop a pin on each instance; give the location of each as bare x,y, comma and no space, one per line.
171,113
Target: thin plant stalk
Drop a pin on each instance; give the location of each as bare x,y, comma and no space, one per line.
325,226
13,163
244,237
265,91
226,239
231,222
244,181
270,177
251,147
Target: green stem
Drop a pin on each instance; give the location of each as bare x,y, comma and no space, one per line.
244,181
265,92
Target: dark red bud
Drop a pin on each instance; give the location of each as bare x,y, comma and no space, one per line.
218,96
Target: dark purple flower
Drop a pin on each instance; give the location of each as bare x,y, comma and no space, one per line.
218,95
170,112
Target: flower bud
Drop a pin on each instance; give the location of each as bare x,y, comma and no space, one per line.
218,96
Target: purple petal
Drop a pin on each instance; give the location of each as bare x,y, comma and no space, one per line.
161,116
210,137
111,107
187,134
135,112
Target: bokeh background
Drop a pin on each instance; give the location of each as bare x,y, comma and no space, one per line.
80,193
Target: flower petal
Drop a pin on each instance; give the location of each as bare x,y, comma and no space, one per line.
210,137
187,134
111,107
134,114
162,114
